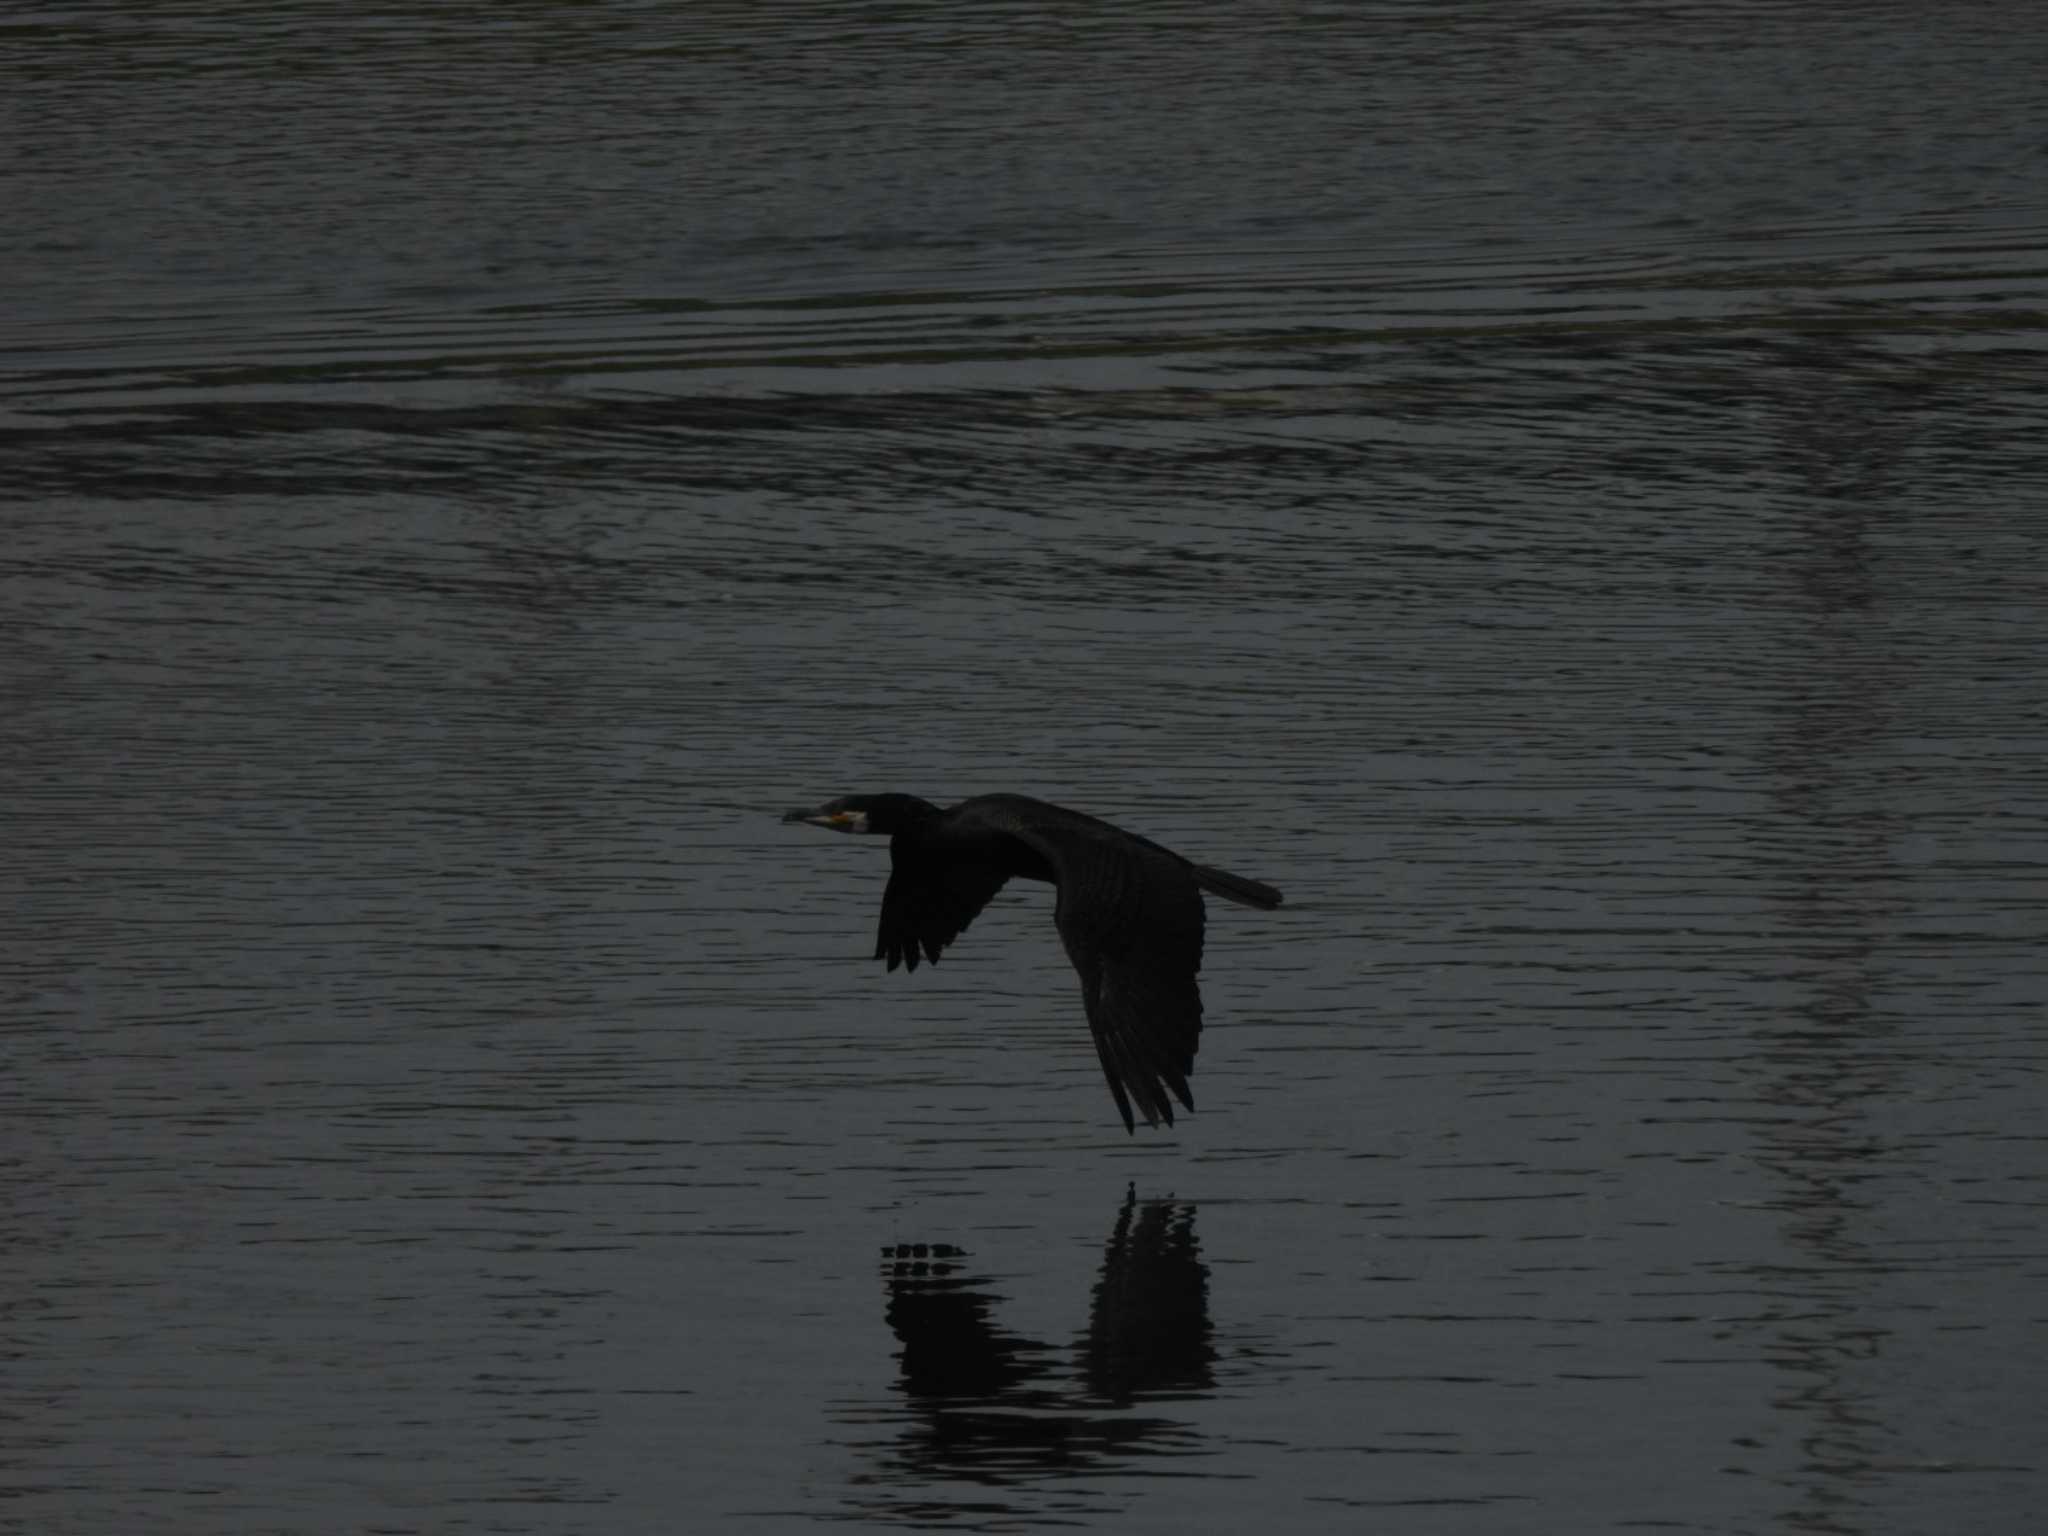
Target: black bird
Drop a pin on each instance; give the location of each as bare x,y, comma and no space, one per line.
1129,912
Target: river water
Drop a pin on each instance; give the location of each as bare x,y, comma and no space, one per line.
1558,489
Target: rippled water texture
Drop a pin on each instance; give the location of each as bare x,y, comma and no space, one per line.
1559,490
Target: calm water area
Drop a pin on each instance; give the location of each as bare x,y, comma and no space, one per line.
1561,490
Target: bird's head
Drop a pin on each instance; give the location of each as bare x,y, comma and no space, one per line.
885,814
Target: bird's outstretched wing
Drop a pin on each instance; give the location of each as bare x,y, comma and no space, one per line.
1130,915
929,904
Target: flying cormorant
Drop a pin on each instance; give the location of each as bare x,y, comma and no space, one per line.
1129,912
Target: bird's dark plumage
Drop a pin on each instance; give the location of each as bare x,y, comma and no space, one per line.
1129,912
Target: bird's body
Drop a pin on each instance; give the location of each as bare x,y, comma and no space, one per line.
1129,912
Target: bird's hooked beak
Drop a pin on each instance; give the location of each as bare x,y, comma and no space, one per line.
832,821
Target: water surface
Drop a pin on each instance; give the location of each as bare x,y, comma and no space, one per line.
1555,489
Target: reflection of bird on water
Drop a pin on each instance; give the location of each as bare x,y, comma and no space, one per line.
951,1346
1129,911
995,1407
1148,1324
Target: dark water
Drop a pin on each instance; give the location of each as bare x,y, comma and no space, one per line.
1558,489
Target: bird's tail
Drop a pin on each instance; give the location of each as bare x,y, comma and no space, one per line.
1246,893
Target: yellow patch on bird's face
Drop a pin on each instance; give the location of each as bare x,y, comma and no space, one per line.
843,821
